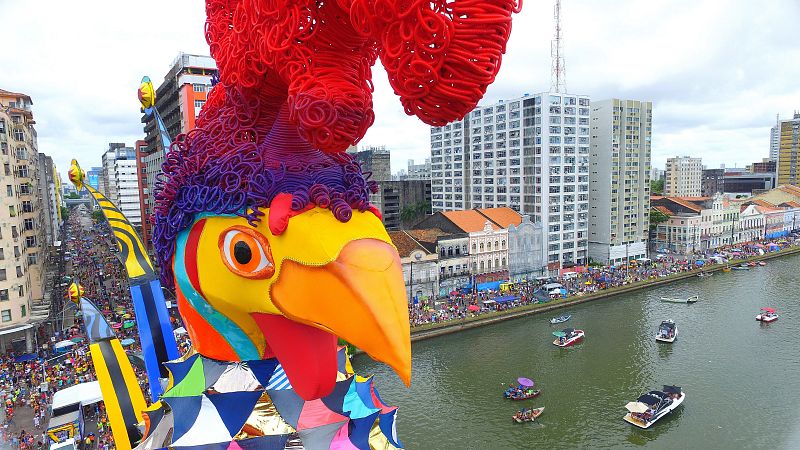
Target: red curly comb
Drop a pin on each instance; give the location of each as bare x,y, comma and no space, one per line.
317,57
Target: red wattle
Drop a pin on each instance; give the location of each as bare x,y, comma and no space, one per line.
307,354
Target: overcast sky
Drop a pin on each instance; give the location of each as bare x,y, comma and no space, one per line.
717,72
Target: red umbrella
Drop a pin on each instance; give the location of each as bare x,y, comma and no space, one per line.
473,308
769,310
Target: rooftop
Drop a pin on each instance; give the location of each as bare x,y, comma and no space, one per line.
405,244
473,220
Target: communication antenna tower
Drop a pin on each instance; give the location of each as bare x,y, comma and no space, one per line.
558,77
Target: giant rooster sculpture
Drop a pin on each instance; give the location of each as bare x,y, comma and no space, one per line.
263,224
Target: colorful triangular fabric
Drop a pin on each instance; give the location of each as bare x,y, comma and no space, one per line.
273,442
316,414
213,370
364,390
237,377
189,408
320,438
360,430
192,384
263,369
341,441
208,427
354,407
335,400
279,380
388,426
179,369
288,404
234,408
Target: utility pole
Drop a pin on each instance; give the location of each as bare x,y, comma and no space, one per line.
558,80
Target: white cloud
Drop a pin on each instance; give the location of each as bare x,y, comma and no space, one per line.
717,72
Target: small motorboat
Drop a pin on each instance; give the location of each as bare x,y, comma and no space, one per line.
704,274
560,319
691,299
527,414
751,264
667,332
652,406
567,337
762,263
726,269
741,267
767,315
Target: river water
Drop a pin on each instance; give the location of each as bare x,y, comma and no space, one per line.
741,377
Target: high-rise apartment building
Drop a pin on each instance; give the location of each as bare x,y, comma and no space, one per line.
530,154
93,177
619,180
50,200
788,150
683,177
375,160
179,99
21,224
122,180
774,140
418,171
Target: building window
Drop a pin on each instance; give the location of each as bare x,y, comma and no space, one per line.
3,295
198,104
33,259
2,254
3,275
6,315
28,223
23,310
20,273
19,135
2,126
9,190
198,87
30,241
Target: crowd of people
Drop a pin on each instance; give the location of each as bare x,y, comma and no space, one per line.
29,381
459,305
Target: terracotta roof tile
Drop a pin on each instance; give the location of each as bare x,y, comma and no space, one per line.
405,244
791,204
469,221
760,202
505,216
685,203
664,210
427,235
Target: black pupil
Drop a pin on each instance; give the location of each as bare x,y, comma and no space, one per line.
242,252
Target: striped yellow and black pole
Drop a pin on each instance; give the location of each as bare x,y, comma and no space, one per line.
152,318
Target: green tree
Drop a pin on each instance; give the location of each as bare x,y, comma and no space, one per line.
97,215
657,217
411,213
657,187
64,213
72,195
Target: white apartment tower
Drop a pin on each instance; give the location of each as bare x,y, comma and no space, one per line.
775,141
683,177
122,183
530,154
619,180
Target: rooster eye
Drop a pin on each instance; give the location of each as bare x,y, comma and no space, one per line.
246,252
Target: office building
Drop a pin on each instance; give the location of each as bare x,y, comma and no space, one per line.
121,180
375,160
765,166
775,139
530,154
619,180
418,171
22,242
93,177
713,181
788,149
179,100
683,177
402,203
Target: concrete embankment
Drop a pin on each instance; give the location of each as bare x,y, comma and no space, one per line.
432,330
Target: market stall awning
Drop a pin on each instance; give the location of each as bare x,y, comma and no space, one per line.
506,298
26,357
16,329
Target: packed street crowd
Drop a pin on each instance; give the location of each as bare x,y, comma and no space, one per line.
29,381
461,305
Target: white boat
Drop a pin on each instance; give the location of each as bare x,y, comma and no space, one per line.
667,332
705,274
767,315
561,319
691,299
567,337
651,407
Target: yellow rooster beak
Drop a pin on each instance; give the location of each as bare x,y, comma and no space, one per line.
359,297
